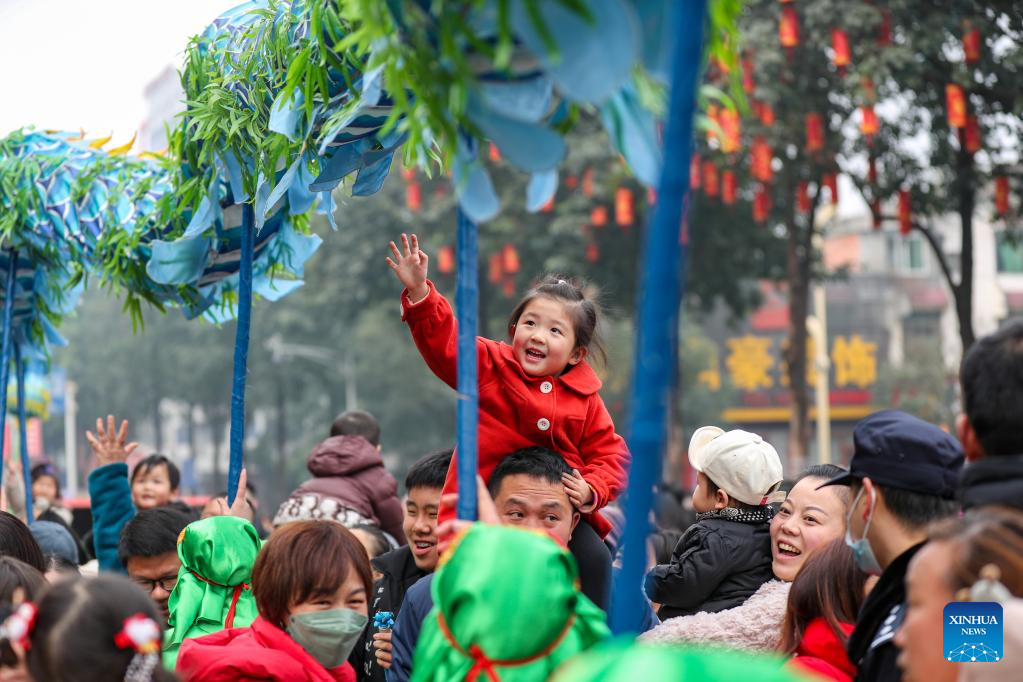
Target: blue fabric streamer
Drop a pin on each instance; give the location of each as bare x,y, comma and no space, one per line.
660,293
241,355
5,349
26,469
466,304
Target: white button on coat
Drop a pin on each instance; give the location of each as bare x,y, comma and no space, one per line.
543,424
546,387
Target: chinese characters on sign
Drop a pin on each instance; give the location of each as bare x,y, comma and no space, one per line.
755,363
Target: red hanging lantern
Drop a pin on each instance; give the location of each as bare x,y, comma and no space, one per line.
598,216
761,160
588,182
651,196
761,204
955,100
495,153
803,196
714,114
592,252
868,122
510,259
840,44
710,179
905,212
571,181
766,114
494,272
624,206
694,171
408,173
971,135
549,206
884,33
1001,195
831,182
508,289
731,128
814,132
788,28
446,260
875,213
971,43
729,187
748,85
413,196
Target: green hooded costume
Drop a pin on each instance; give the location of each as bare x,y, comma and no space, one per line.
213,592
623,660
507,608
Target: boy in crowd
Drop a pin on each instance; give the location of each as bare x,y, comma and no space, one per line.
402,567
725,556
115,499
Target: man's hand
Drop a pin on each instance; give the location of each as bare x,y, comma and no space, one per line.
107,444
382,648
410,265
241,508
579,491
486,512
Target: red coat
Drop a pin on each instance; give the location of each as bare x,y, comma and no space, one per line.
516,410
822,653
259,652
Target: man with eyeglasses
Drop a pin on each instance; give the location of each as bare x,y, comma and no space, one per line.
149,552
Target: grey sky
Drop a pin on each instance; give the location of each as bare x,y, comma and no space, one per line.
68,64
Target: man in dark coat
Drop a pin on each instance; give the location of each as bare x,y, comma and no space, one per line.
902,477
992,381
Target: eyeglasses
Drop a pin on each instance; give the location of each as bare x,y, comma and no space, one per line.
166,583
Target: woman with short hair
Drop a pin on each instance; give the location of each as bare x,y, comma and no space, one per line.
311,583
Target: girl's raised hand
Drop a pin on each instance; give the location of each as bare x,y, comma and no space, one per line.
410,265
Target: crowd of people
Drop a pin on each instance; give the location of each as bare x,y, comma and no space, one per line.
835,573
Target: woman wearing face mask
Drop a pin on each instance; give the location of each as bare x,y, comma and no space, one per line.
311,582
807,520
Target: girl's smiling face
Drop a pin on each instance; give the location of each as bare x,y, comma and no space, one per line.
807,519
151,487
544,338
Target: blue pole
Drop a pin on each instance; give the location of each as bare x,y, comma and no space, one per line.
466,309
241,355
26,472
5,349
661,291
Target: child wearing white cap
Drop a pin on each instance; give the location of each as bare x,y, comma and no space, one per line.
724,557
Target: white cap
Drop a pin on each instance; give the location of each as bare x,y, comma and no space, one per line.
741,463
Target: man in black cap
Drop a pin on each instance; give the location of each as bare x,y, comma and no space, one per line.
992,381
902,476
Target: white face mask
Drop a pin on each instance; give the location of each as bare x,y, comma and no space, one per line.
863,555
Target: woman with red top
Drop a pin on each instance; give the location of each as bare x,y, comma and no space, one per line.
311,582
823,602
538,390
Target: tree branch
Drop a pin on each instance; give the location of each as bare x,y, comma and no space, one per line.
932,239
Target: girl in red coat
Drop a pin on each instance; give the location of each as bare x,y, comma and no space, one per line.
825,597
539,390
311,583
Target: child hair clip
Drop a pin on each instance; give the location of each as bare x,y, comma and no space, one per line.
19,625
141,634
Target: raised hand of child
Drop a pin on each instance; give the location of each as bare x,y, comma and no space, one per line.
109,444
579,491
410,265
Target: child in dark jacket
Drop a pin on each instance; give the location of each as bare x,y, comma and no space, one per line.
726,555
349,483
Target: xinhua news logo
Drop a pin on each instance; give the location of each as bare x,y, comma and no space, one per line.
972,632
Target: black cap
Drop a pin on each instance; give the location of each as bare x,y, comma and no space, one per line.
897,450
